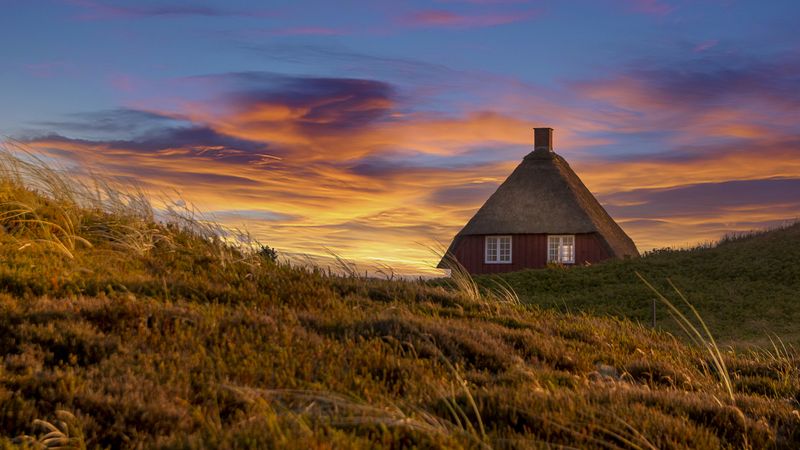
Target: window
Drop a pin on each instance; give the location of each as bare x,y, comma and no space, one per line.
498,250
561,249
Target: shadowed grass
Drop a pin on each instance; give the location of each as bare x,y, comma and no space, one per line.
703,340
747,287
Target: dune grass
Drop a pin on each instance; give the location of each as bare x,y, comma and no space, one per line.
164,334
745,287
704,339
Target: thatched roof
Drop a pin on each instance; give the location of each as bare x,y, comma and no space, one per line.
544,195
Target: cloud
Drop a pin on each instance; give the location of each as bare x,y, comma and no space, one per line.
775,198
115,122
319,105
679,151
305,158
307,31
337,58
651,7
158,151
96,10
351,118
485,2
742,160
705,45
714,80
231,215
716,118
440,18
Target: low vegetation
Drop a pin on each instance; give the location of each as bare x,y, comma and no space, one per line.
746,287
118,330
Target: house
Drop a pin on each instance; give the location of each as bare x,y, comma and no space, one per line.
541,214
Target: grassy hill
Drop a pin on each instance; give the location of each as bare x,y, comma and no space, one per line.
117,331
747,288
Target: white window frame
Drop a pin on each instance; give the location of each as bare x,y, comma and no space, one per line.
496,257
564,246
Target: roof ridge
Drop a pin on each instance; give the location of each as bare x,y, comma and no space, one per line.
600,217
543,195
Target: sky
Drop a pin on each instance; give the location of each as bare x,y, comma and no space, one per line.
375,129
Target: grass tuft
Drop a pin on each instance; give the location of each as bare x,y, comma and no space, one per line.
704,340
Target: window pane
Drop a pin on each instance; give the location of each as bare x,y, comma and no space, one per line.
491,249
505,249
568,249
561,249
552,248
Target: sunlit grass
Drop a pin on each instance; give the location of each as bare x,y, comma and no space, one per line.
177,333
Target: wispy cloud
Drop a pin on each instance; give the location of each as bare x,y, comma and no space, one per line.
97,10
685,215
307,31
652,7
486,2
440,18
679,151
705,45
118,123
329,153
422,75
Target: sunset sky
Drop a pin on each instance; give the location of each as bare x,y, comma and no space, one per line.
373,128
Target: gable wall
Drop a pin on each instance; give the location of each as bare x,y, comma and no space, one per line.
528,251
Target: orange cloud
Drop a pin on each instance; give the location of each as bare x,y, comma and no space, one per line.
347,165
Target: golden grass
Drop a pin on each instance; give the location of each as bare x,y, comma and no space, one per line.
63,433
704,340
42,204
500,291
173,333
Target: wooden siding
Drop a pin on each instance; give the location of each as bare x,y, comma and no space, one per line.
528,251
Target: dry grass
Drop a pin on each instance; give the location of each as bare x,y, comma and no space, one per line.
462,281
704,340
170,334
63,433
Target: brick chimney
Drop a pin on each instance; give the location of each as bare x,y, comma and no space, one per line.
543,139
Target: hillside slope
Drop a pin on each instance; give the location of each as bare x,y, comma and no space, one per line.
746,288
120,332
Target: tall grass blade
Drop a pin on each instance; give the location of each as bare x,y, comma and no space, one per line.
707,342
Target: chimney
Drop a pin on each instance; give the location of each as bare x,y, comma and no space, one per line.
543,139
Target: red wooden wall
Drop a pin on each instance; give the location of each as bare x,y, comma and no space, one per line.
528,251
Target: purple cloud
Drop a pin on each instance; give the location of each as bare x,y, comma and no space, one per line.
439,18
174,143
652,7
705,45
307,31
317,105
95,10
707,199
